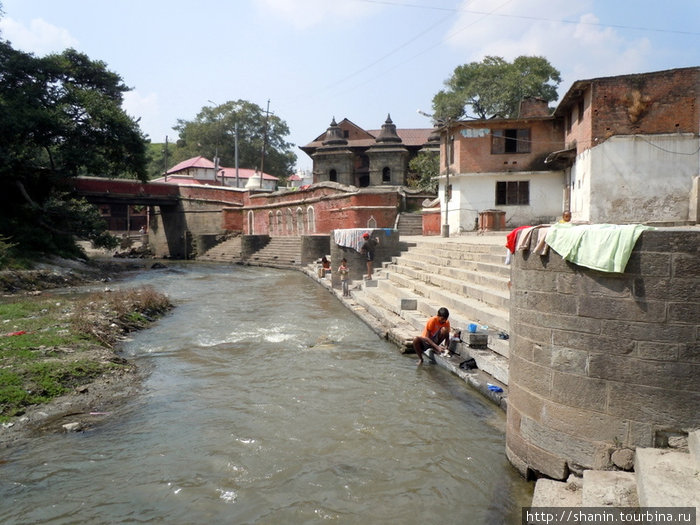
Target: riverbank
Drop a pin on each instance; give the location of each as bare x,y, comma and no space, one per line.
58,360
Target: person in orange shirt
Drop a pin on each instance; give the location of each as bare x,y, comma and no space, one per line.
436,331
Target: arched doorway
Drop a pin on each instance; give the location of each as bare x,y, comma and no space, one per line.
300,221
311,220
251,223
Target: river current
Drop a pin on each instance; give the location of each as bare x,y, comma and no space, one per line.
269,402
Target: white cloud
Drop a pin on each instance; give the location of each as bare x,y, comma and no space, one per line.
39,38
147,108
303,14
567,34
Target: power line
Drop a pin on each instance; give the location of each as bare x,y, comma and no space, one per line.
526,17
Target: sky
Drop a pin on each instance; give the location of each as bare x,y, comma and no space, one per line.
315,60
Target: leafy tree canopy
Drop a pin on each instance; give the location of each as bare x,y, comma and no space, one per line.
495,87
213,130
60,117
424,169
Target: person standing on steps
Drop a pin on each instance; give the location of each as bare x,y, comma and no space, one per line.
343,271
367,249
436,331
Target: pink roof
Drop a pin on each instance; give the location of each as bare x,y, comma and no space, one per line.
202,162
244,173
295,177
194,162
179,179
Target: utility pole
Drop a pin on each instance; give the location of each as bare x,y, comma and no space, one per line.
218,138
262,157
235,148
165,160
448,193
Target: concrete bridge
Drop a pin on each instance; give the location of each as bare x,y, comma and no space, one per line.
98,190
182,219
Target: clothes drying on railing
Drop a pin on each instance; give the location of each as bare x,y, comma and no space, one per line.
603,247
352,237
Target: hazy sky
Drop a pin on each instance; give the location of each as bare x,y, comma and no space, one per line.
356,59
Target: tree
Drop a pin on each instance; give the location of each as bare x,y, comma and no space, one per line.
495,87
60,117
213,130
424,169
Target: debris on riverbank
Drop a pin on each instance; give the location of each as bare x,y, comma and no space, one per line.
59,370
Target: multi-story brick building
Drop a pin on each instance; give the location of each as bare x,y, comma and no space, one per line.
621,149
499,164
632,147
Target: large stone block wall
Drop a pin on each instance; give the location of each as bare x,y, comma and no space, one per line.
602,361
175,230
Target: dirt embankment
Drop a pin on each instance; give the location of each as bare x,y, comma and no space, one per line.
105,319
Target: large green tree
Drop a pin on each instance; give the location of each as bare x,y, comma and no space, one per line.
60,117
213,130
424,170
495,87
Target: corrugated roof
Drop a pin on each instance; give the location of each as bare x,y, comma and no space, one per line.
244,173
179,179
194,162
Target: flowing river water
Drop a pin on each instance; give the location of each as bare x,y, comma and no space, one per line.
269,402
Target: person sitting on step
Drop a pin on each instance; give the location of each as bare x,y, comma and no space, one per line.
436,331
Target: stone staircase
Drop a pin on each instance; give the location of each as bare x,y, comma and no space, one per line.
280,252
662,477
226,251
410,224
468,277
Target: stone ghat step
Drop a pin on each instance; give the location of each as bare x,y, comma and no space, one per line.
488,289
666,478
662,477
470,308
468,252
488,266
407,324
415,311
403,298
281,252
403,301
228,250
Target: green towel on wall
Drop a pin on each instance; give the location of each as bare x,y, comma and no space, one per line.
604,247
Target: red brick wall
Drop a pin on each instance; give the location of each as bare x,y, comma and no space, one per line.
212,193
331,210
473,154
431,223
659,102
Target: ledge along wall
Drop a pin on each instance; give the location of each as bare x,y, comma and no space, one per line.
602,361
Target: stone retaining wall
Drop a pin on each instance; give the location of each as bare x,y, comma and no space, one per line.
602,361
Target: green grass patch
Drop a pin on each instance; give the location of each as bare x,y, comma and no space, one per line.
62,344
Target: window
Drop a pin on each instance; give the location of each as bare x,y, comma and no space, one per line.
510,141
580,110
333,176
386,174
512,193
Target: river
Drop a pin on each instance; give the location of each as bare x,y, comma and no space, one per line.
269,402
